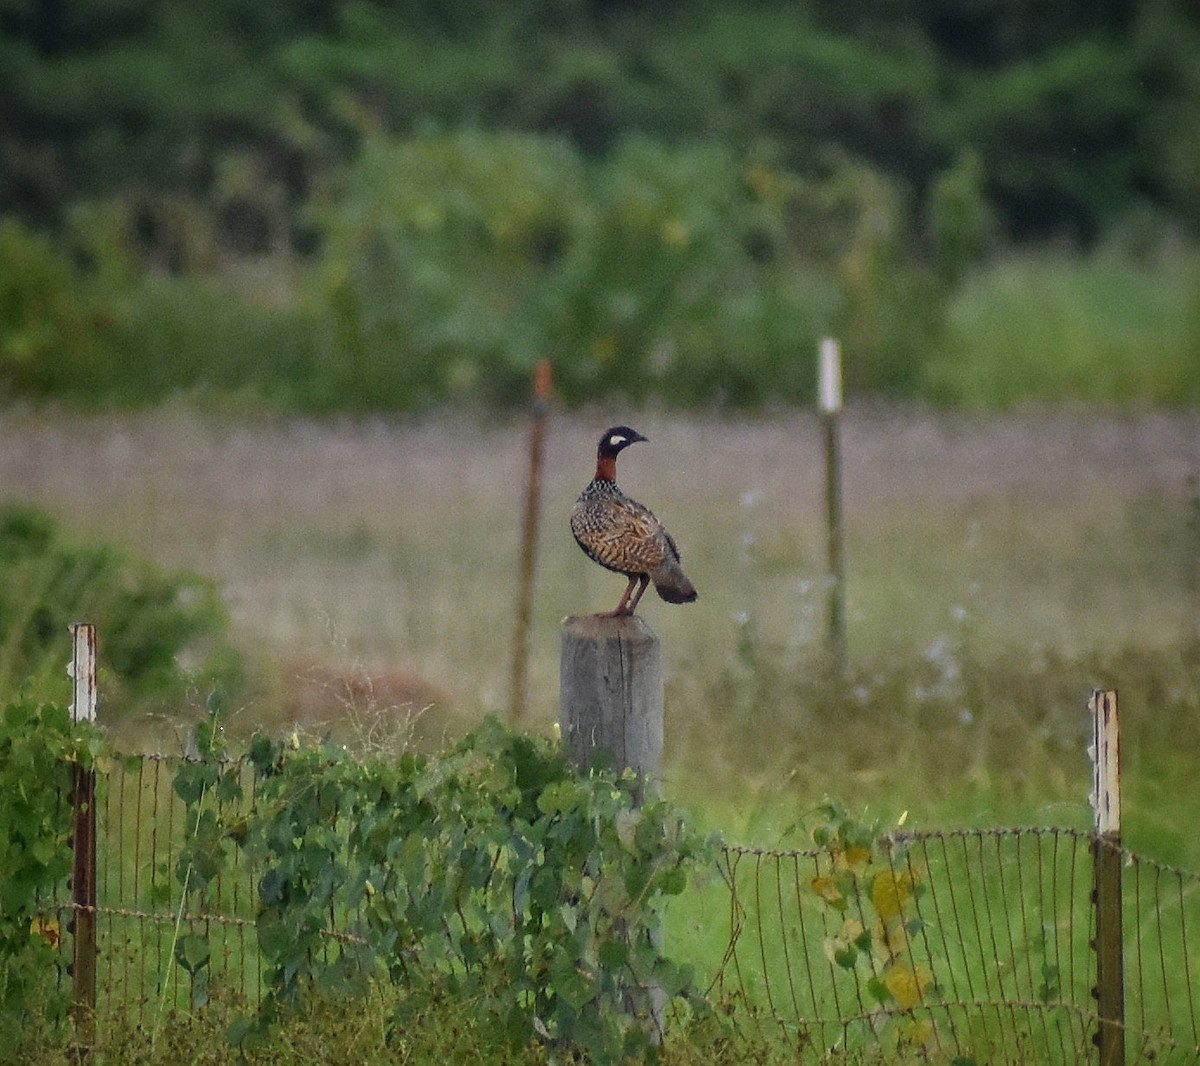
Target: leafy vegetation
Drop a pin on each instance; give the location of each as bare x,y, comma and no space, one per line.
873,895
389,207
160,632
1107,329
495,873
1075,113
455,262
421,831
40,751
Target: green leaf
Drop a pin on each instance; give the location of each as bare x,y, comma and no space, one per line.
673,882
574,988
846,957
613,953
192,952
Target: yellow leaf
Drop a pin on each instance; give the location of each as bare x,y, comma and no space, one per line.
47,929
907,984
854,856
889,892
917,1033
892,937
827,889
851,930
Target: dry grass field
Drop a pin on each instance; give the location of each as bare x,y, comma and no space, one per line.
376,561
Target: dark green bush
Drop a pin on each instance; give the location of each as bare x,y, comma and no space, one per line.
148,621
52,329
206,337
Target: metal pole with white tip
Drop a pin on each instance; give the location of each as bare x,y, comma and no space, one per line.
1106,871
830,397
83,841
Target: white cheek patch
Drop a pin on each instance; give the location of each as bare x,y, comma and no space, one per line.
616,439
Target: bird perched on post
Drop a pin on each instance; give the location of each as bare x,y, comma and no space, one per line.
622,535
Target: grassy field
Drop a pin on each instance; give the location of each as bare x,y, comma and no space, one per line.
1008,561
998,568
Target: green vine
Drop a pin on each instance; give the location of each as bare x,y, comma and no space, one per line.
494,871
40,747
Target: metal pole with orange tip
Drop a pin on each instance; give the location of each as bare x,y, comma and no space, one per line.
542,383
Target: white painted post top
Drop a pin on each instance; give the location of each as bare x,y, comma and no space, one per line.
830,379
1105,753
83,672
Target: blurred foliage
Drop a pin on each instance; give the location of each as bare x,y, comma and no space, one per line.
1108,329
103,332
1073,110
390,206
160,634
455,262
50,328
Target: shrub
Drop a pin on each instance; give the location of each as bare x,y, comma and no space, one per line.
149,621
206,336
455,262
495,872
1104,329
51,327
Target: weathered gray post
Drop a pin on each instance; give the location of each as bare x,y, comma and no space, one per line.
611,693
1106,873
611,711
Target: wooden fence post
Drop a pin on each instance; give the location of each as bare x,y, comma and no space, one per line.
1106,878
611,694
83,842
611,710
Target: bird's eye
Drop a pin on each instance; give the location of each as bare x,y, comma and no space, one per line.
616,439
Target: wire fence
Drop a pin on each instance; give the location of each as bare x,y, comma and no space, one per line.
994,962
141,917
1004,927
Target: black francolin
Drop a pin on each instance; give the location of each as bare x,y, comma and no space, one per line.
621,534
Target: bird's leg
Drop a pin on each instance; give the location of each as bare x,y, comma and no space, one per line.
623,607
643,583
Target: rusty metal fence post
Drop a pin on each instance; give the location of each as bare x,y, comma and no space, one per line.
83,842
1106,886
529,528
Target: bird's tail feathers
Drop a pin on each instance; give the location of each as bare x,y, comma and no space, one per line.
672,584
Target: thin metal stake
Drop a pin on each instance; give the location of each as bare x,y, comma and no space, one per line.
831,417
1106,867
529,532
83,861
